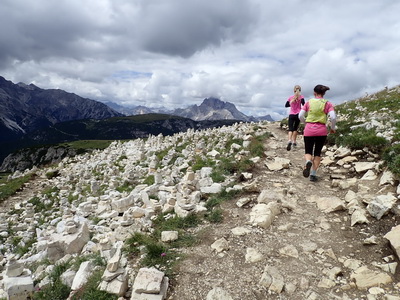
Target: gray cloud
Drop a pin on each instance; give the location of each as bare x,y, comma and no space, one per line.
177,52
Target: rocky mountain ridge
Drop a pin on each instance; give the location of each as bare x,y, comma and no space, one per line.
210,109
336,239
25,108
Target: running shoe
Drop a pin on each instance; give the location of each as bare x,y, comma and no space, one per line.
313,178
289,146
306,171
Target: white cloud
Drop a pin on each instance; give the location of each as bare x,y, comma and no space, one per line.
176,53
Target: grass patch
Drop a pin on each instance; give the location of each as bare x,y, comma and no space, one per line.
149,180
157,253
217,199
360,138
89,144
392,157
22,249
40,205
56,289
94,257
229,166
10,187
125,187
215,216
200,162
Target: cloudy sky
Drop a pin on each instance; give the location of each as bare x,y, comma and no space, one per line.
175,53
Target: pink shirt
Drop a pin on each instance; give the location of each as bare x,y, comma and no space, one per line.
317,129
295,106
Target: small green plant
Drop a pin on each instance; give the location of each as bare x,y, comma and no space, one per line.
215,216
72,197
94,257
149,180
21,250
125,187
217,176
56,289
392,157
200,162
40,205
219,198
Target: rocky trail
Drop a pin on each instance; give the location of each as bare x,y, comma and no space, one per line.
306,253
284,238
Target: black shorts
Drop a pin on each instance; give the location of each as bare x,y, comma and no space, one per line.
313,144
293,122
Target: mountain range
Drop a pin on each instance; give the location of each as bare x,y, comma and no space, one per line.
26,108
30,116
210,109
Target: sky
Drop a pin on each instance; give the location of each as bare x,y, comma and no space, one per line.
176,53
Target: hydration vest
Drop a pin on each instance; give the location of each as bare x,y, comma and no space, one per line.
316,113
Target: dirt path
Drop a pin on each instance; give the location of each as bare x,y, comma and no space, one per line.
30,189
304,246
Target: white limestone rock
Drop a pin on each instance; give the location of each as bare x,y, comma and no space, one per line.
329,204
394,239
82,276
263,215
359,216
148,281
366,278
361,167
253,255
387,178
117,285
220,245
169,236
240,231
272,279
18,287
278,164
381,204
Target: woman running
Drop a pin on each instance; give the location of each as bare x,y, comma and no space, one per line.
315,131
295,103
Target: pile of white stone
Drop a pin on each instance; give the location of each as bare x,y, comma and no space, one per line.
90,213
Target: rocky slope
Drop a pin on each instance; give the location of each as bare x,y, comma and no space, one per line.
118,128
281,237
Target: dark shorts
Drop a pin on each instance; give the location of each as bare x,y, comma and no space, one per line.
293,122
313,144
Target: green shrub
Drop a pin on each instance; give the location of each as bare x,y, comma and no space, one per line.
360,138
200,162
125,187
217,176
21,250
219,198
149,180
175,223
392,157
56,289
256,147
215,216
